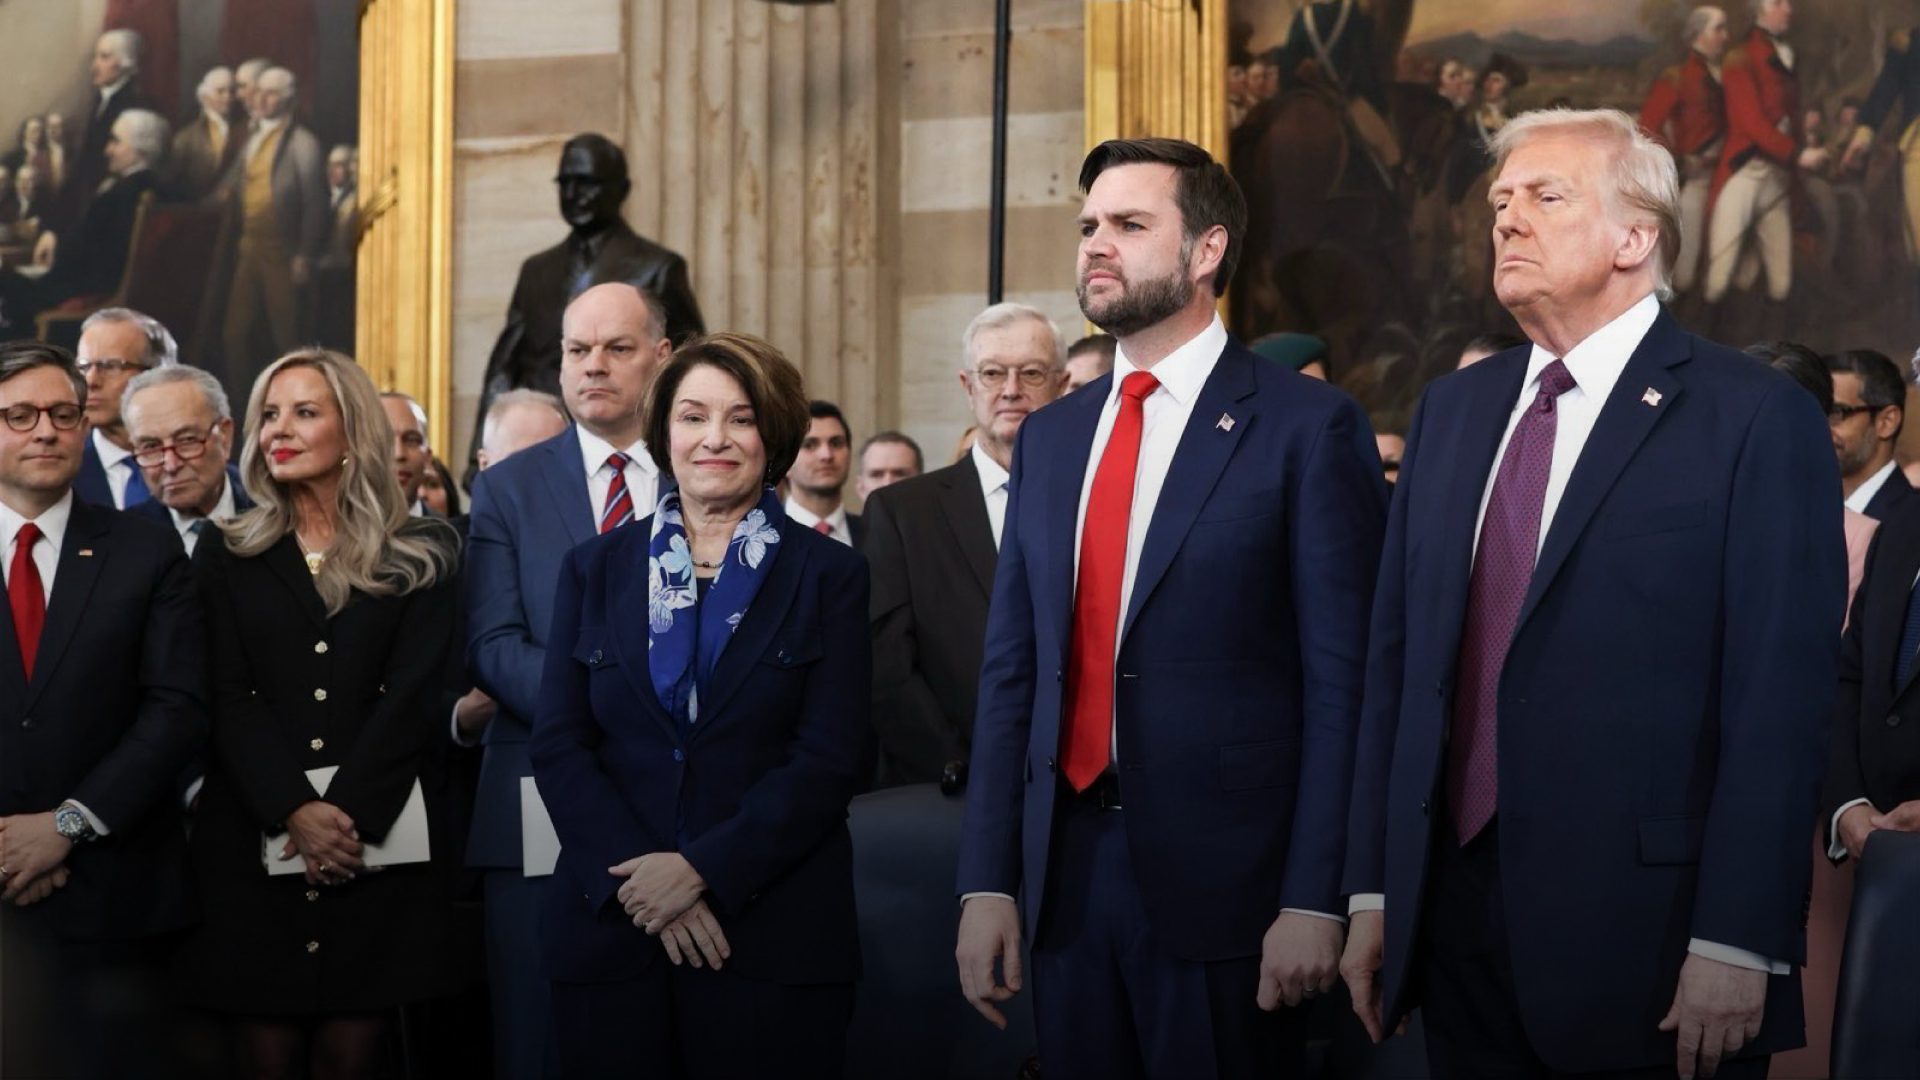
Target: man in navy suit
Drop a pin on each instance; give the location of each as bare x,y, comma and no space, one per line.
527,512
115,345
1170,692
1604,640
180,425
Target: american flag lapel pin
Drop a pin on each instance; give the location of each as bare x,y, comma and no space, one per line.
84,552
1651,397
1225,423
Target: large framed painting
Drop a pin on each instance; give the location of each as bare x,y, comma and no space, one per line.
1358,128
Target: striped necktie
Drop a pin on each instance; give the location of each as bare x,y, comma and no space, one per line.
619,509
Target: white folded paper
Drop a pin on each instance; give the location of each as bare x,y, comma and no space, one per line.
406,841
539,843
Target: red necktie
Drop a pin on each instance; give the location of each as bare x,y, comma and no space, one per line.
619,509
823,528
1086,744
26,596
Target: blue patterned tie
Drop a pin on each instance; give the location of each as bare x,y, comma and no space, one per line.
136,485
1909,641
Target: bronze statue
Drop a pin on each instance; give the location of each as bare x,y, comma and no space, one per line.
601,248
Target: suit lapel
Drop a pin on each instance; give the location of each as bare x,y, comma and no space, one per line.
566,483
287,564
1886,616
73,579
1067,473
966,512
627,620
765,616
1625,421
1203,452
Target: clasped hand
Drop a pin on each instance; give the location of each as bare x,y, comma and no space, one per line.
659,887
35,854
323,834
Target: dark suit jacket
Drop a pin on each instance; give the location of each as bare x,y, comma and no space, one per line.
1660,709
527,512
116,706
193,169
1873,752
1891,494
754,794
857,531
93,255
90,483
1238,675
930,548
89,167
154,508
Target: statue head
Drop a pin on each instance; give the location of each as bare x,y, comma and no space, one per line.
592,181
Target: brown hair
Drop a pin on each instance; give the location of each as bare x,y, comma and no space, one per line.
20,356
1203,190
773,386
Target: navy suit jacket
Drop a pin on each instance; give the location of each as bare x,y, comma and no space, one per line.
157,510
1891,494
1662,701
527,512
754,794
90,483
1239,672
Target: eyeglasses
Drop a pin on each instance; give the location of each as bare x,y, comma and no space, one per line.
1031,377
1840,414
149,454
109,367
65,416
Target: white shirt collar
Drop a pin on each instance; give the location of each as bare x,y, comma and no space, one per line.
992,476
221,123
594,452
52,522
107,91
1184,370
1862,495
223,509
1597,361
110,453
836,521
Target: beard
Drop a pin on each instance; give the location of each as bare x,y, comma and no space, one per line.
1136,305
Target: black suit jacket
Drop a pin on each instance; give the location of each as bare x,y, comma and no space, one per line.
1891,494
89,167
930,547
857,531
154,509
116,706
1874,739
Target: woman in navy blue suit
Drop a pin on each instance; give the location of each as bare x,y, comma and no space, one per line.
703,724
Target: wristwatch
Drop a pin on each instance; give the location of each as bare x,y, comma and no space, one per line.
69,822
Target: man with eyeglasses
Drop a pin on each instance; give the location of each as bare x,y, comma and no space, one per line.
933,541
115,345
412,453
98,717
181,427
1868,411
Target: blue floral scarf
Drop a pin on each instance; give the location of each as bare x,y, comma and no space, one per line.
686,634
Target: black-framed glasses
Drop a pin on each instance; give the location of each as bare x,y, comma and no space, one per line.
1031,377
1841,413
149,454
109,367
65,416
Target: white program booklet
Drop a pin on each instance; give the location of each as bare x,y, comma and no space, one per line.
406,841
539,844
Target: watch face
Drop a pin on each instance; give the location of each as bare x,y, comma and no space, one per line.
70,823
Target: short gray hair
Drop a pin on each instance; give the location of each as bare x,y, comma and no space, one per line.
161,350
251,69
1697,22
206,80
521,397
147,132
210,388
293,83
1640,174
1007,313
127,46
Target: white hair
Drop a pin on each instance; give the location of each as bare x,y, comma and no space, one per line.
251,69
127,45
1697,22
161,350
1002,315
519,398
146,131
206,81
210,388
293,84
1640,175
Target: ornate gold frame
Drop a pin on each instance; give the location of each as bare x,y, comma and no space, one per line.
1157,67
404,317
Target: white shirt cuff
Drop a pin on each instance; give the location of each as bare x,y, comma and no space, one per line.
964,897
1727,954
460,738
1835,849
1366,901
99,827
1341,919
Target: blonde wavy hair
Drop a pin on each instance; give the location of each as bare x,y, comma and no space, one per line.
377,548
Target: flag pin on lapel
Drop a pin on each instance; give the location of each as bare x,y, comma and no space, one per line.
1225,423
1651,397
84,552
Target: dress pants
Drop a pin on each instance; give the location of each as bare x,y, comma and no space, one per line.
1470,1006
521,1005
1111,1000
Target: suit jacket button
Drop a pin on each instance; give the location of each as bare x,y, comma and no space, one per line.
320,647
785,657
679,754
1050,765
1423,808
1059,674
595,658
1894,720
319,695
317,744
313,946
27,723
313,894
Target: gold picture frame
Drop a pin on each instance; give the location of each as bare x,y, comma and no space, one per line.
1157,67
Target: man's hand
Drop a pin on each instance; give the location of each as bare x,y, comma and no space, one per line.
322,833
1814,158
1854,825
1360,967
40,888
659,887
46,249
989,931
29,847
473,712
1298,958
694,935
1902,818
1857,148
1716,1010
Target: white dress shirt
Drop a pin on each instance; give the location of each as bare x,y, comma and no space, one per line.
993,488
1596,364
643,476
1862,495
222,511
118,465
836,521
46,559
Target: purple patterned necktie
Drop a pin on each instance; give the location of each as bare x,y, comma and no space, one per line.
1502,569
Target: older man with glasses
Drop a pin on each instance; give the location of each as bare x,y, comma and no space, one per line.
115,345
181,428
